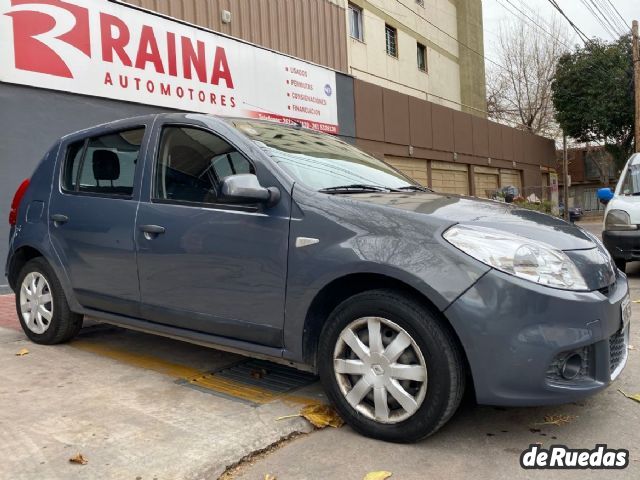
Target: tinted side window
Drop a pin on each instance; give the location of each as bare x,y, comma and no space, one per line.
192,163
106,165
71,165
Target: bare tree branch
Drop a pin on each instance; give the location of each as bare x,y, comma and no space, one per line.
519,94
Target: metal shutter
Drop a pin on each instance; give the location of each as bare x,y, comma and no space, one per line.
450,178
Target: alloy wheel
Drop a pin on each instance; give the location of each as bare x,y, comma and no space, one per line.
36,302
380,370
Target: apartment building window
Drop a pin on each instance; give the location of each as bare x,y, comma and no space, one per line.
355,22
391,36
422,57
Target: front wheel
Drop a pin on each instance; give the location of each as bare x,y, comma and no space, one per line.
42,306
392,368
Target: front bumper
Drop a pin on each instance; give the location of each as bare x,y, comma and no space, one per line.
623,244
515,332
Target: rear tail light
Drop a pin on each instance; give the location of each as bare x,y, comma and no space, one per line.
17,198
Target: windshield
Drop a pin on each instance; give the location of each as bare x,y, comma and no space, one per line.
631,184
321,161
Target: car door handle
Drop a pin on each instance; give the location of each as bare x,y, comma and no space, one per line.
152,229
59,218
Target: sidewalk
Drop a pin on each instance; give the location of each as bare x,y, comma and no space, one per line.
113,396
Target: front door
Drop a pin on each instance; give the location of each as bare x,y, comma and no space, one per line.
206,266
92,219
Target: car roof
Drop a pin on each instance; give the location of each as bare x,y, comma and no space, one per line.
173,116
634,159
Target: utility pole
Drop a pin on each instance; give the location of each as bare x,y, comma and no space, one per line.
636,76
565,177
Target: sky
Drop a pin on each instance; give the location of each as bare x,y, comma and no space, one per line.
495,12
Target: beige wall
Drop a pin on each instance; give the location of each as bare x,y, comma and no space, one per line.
441,83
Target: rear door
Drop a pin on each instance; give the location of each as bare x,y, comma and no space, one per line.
92,217
203,265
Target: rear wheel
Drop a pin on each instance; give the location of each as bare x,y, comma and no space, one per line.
42,306
393,370
621,264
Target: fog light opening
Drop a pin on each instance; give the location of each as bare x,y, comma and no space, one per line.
571,366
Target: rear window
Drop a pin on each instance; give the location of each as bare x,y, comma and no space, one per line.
104,165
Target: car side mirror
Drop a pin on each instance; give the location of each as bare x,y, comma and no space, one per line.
605,195
245,188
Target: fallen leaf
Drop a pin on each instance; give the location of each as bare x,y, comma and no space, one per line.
322,416
22,352
557,419
319,415
79,459
268,476
380,475
635,396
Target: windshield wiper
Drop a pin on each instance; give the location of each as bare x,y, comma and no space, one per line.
414,188
362,187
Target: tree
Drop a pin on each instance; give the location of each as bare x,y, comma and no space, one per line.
593,96
519,87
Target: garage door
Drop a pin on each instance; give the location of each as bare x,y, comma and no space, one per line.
412,167
486,181
450,178
510,178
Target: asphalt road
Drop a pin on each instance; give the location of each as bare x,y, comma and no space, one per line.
143,407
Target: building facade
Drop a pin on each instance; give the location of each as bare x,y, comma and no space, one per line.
589,170
312,30
449,150
429,49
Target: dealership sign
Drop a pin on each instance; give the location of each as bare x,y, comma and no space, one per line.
111,50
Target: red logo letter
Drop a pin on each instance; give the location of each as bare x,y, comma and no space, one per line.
189,57
221,69
112,44
148,50
57,25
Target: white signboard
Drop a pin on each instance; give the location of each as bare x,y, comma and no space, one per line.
110,50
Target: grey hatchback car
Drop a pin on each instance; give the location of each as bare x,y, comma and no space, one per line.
285,243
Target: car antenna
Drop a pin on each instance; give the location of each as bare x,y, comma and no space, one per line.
295,122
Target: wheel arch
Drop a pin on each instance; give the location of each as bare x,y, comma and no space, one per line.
18,260
342,288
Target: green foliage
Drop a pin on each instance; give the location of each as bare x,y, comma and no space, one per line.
593,95
545,206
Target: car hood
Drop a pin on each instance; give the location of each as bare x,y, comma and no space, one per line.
452,209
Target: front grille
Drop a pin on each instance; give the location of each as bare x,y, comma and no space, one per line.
617,350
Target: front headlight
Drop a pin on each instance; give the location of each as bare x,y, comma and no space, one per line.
618,220
519,256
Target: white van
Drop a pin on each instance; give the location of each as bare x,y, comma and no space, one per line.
620,234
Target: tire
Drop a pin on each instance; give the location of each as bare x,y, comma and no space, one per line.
621,264
431,344
63,324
